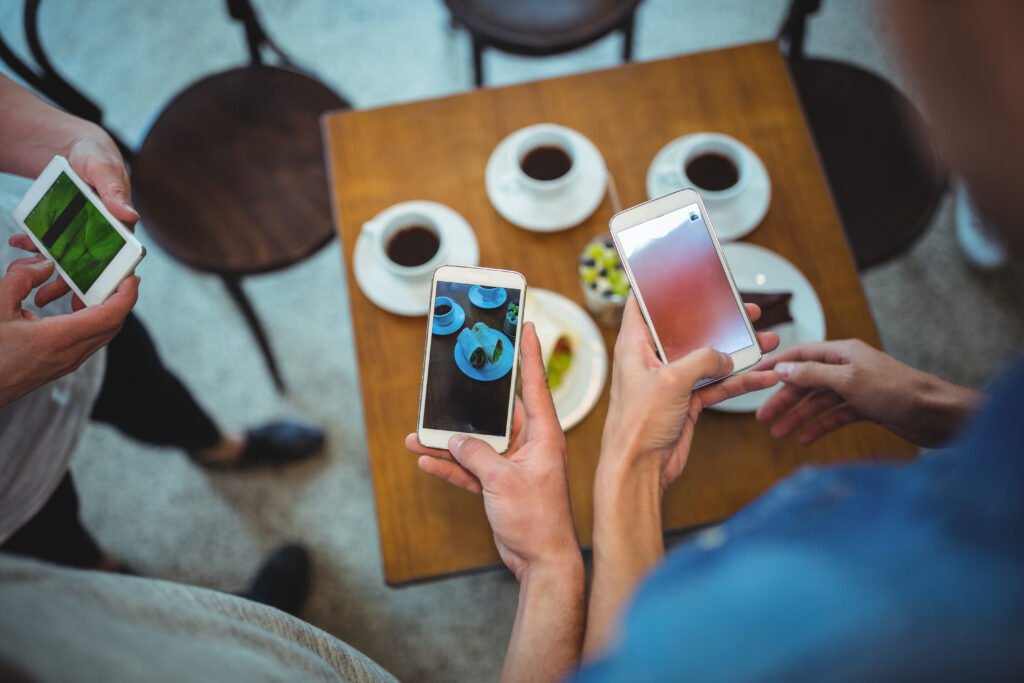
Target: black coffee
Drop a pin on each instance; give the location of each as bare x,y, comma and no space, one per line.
443,309
413,245
712,172
546,163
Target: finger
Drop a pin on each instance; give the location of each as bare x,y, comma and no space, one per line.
701,364
23,242
753,312
822,352
99,320
634,344
22,277
829,422
814,405
737,386
107,174
477,456
412,443
781,401
448,471
537,400
768,341
51,291
518,416
813,375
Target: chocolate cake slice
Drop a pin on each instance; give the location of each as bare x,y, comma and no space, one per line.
774,307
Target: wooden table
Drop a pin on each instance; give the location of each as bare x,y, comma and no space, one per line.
437,150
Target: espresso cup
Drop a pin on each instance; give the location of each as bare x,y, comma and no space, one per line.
445,318
712,144
407,227
534,140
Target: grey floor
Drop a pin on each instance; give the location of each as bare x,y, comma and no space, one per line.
173,521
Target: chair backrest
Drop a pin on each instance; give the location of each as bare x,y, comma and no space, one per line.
794,26
45,78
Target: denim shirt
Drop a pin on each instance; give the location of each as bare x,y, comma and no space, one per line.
854,573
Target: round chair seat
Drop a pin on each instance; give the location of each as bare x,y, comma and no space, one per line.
885,175
541,27
230,177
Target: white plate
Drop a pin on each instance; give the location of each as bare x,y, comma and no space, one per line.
733,218
411,296
755,268
554,314
561,211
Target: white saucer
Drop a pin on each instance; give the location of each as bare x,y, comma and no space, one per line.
561,211
733,218
554,314
411,296
756,268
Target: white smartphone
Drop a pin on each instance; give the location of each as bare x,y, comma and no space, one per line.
681,280
471,355
92,250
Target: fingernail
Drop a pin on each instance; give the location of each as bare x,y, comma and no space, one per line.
784,369
129,207
455,443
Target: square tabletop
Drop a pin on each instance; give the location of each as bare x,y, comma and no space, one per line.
437,150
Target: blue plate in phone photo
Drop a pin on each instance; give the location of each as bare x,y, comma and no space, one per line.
487,297
491,371
450,322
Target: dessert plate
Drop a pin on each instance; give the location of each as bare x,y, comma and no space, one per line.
755,268
555,315
490,371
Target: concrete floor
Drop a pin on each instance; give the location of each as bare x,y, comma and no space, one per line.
173,521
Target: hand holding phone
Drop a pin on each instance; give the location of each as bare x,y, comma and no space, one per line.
65,220
655,406
470,354
39,350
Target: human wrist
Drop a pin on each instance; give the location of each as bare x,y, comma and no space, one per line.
947,407
555,571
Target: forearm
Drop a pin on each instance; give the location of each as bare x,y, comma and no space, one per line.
548,631
32,131
937,411
628,543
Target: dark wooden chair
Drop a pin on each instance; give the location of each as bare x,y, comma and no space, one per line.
229,178
541,27
885,175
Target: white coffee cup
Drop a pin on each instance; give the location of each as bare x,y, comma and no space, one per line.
381,232
534,137
674,170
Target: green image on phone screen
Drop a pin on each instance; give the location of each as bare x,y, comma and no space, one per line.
74,231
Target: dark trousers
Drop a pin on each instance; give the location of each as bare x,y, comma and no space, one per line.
145,401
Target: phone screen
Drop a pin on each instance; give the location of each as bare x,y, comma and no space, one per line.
684,284
469,369
74,232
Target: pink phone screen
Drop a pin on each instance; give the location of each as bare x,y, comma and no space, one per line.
683,284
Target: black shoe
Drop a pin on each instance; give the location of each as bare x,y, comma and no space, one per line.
283,580
275,443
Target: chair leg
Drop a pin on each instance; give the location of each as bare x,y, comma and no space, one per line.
234,286
478,63
627,39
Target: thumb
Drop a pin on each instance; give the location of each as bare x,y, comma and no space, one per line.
111,183
810,374
697,365
22,277
477,456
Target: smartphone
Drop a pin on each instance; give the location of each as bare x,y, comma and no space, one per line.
681,280
470,358
92,250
